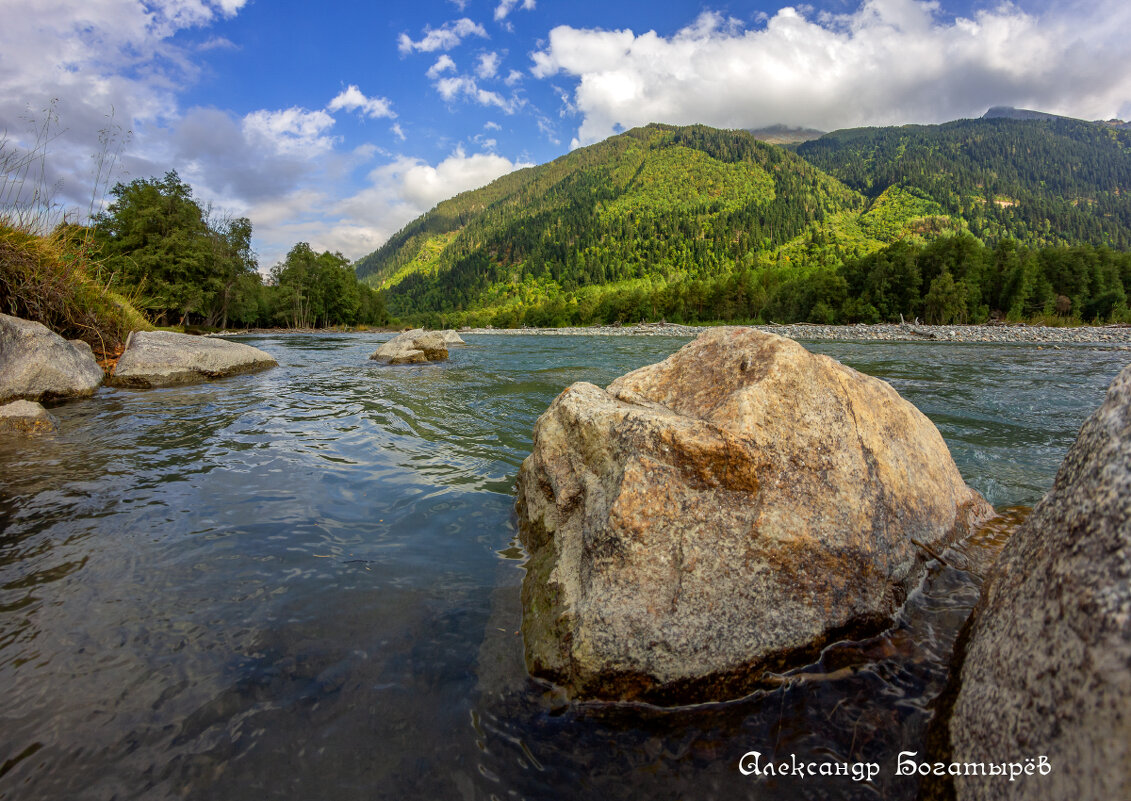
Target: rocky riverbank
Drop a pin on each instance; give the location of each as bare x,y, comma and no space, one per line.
906,332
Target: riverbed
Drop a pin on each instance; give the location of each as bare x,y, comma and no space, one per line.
303,584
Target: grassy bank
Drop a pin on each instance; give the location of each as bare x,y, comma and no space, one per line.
53,280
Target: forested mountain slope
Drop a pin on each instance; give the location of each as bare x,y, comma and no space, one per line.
1053,181
656,203
695,223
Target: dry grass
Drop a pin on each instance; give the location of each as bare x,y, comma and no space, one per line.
46,279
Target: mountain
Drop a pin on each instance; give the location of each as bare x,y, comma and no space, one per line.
1011,113
784,134
1043,181
695,223
658,204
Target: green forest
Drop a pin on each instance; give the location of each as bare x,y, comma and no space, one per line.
963,222
183,265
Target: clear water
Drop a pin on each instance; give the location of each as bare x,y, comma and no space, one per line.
304,584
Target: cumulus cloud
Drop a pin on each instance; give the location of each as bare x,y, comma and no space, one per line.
505,7
351,99
443,64
890,61
105,64
291,132
488,65
447,36
457,86
402,190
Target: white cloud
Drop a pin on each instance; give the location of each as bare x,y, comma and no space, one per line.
230,7
352,99
488,65
890,61
402,190
97,64
398,131
442,65
491,125
447,36
513,77
505,7
465,86
217,43
290,132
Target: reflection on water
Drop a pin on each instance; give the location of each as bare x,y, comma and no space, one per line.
304,584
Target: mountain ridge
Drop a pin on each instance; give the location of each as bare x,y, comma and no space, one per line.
661,204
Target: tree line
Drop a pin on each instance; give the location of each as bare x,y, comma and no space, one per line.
183,264
953,279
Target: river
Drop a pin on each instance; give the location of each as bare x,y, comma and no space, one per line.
303,584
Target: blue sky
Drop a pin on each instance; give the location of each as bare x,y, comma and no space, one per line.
336,123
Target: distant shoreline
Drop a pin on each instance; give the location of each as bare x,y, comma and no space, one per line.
882,332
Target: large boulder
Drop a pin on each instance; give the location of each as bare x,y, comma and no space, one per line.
722,513
1046,668
412,347
26,417
37,364
164,358
452,338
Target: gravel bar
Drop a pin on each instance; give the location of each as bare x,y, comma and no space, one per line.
905,332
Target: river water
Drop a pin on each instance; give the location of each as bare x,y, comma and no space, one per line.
304,584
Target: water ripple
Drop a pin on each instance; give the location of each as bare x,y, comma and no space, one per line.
304,583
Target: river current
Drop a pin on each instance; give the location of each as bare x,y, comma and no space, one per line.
304,584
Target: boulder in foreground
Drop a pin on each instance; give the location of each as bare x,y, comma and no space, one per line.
26,417
412,347
165,358
1046,668
37,364
725,512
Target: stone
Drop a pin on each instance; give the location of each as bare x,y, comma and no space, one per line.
452,338
433,344
26,417
412,347
165,358
83,347
37,364
1046,656
726,512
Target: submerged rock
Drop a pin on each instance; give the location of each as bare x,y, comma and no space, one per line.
164,358
1046,668
37,364
412,347
722,513
26,417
